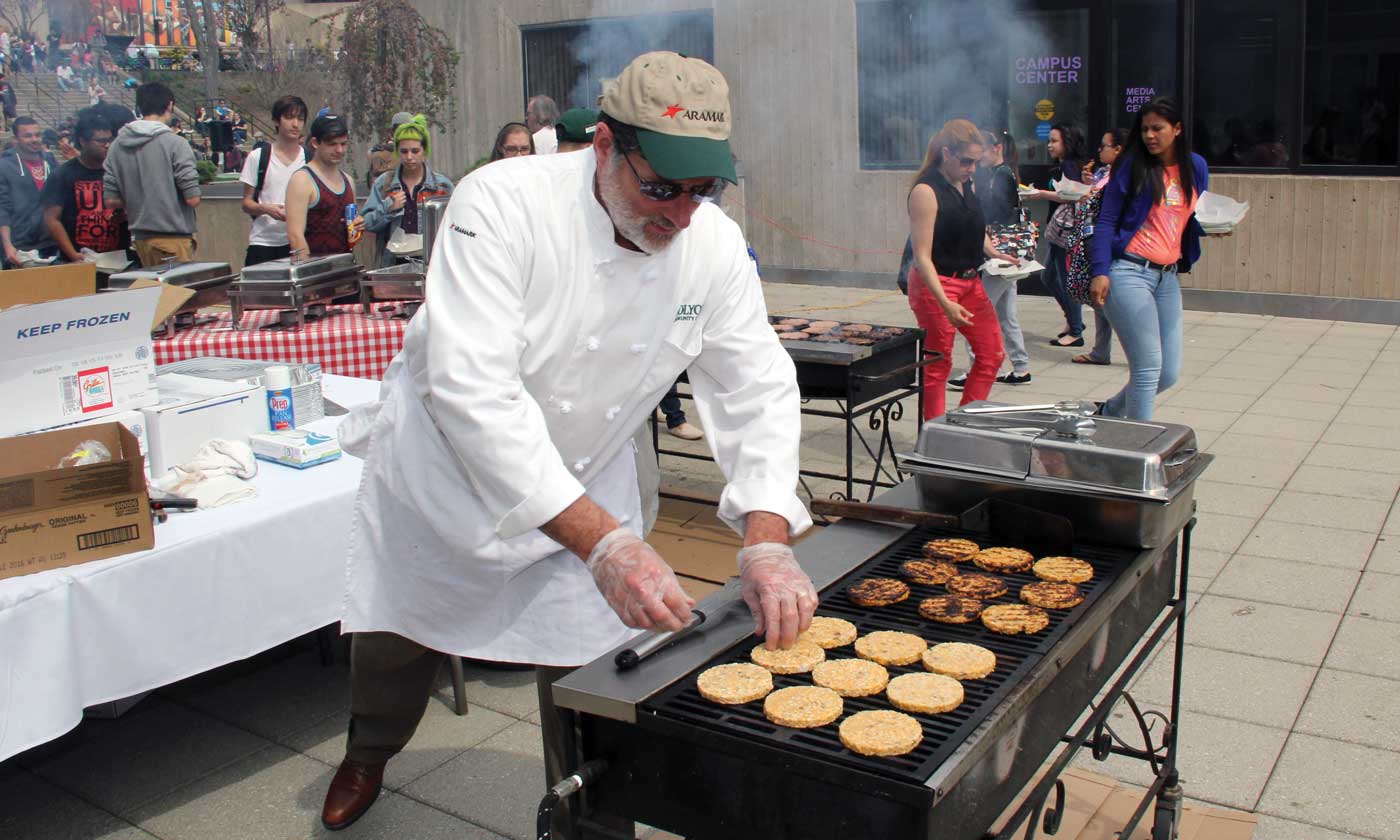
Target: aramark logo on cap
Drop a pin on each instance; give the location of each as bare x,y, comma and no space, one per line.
672,111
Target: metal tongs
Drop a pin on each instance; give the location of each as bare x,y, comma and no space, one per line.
653,641
1072,418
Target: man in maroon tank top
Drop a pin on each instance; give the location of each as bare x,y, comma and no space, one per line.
318,194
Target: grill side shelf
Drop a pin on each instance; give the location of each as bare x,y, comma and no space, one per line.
944,733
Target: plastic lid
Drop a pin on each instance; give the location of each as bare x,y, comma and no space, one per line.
277,377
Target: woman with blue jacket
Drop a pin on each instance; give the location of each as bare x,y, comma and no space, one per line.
1145,235
396,198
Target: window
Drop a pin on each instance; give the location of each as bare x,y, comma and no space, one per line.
1351,89
568,62
1144,58
1245,67
919,65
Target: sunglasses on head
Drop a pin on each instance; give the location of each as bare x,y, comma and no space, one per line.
669,191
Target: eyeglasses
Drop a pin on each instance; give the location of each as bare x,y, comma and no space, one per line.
516,150
669,191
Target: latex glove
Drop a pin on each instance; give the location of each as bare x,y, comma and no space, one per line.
637,583
779,594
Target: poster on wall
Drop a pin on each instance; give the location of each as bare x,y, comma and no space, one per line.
1048,78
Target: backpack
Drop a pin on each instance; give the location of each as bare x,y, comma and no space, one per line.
1078,233
264,161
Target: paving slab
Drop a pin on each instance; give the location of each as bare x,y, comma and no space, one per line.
1277,828
1286,582
1269,630
278,793
33,809
1361,801
1197,418
1355,434
1245,444
1263,691
1366,646
1336,481
1308,393
1349,514
441,736
1330,364
1230,385
1251,472
1223,762
148,758
1221,531
1385,557
283,698
1378,597
1357,458
497,784
1206,564
1191,397
1378,400
1305,376
1352,707
511,693
1289,428
1309,543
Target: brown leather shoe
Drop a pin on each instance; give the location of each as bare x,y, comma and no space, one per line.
352,791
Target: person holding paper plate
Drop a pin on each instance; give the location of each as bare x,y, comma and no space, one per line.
391,211
1147,233
949,234
1066,149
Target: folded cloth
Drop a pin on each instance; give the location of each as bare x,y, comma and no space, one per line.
216,475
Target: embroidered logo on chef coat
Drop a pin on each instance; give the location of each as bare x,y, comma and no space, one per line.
456,228
689,311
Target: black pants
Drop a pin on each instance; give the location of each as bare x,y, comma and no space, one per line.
265,253
671,407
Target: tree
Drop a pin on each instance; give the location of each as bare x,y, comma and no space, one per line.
21,15
206,39
248,19
414,66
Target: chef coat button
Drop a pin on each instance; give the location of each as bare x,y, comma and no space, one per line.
638,349
578,466
593,343
565,407
587,461
614,411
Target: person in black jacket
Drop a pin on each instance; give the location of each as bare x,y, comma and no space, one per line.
23,173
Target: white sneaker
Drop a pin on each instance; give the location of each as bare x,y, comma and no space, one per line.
685,431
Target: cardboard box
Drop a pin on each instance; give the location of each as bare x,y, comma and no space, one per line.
193,411
134,421
295,448
702,549
53,516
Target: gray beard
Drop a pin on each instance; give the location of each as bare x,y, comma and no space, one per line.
631,225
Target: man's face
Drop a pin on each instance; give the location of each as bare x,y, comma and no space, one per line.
95,148
30,139
332,150
650,225
289,126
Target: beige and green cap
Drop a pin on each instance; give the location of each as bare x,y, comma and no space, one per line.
680,108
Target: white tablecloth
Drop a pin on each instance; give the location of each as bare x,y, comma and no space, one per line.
219,586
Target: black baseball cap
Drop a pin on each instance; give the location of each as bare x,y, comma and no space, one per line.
327,126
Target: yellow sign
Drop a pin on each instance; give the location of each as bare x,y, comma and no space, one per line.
1044,109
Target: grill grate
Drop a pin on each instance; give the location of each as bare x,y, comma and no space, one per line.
1016,655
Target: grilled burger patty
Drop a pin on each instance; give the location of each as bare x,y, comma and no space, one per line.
878,592
928,572
950,609
1063,569
952,549
1003,560
1052,595
1015,618
977,586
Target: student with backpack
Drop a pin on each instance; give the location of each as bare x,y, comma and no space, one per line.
266,172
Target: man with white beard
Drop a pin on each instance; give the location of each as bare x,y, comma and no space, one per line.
498,515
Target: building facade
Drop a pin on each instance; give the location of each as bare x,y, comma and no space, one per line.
1294,103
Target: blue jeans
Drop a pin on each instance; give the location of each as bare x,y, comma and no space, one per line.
1144,305
1103,337
671,407
1054,279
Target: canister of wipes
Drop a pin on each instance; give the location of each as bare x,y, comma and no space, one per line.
277,382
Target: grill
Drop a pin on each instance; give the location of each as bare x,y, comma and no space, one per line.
681,763
867,383
302,288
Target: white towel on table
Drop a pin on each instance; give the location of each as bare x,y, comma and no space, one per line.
216,475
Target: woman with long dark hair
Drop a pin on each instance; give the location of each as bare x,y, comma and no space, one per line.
513,140
1111,147
1146,233
950,242
1066,149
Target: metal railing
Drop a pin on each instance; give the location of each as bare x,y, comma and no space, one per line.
51,106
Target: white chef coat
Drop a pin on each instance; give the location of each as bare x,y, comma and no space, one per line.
540,348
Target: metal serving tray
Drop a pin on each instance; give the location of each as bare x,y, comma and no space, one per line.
303,271
396,282
210,282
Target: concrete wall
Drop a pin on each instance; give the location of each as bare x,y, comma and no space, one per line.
223,232
791,66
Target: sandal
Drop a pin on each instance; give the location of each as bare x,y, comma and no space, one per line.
1060,342
1086,359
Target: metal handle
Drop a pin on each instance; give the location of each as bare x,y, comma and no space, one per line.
1066,405
882,513
1180,457
655,641
928,359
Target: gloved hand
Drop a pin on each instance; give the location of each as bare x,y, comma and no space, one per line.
637,583
779,594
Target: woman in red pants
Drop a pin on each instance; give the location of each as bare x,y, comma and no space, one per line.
950,242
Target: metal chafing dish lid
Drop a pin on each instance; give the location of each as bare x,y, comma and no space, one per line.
176,274
284,270
1061,447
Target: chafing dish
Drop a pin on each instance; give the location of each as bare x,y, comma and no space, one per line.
403,282
294,286
210,282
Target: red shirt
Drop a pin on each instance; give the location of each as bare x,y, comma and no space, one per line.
39,171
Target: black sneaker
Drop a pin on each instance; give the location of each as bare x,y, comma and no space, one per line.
1014,378
957,382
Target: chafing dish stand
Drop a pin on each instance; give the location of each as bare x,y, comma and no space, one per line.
294,286
210,282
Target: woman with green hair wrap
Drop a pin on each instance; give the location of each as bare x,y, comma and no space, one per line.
397,196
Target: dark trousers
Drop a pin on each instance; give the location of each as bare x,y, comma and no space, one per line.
1056,279
671,407
391,681
265,253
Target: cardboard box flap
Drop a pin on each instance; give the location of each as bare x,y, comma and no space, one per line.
30,478
171,299
39,285
56,326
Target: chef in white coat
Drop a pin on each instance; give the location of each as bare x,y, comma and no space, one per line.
498,516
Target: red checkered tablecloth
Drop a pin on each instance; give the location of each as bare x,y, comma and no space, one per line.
344,341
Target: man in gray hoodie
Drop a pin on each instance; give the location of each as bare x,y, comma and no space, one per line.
150,171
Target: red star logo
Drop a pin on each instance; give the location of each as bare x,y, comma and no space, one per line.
672,111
